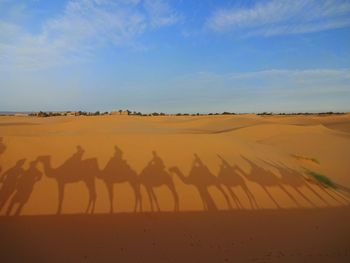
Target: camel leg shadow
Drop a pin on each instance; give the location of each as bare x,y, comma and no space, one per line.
271,197
225,196
60,198
138,197
234,197
251,198
92,198
172,189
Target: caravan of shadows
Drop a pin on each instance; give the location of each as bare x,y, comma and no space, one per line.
18,183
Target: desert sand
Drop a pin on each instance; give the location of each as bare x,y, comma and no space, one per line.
183,188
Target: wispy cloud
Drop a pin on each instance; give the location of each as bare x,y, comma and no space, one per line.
160,13
82,27
296,80
274,17
8,31
266,90
251,91
297,74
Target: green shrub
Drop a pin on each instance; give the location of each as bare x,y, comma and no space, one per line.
322,179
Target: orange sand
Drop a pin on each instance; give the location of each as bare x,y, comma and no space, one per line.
244,163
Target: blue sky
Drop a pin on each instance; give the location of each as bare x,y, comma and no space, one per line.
175,56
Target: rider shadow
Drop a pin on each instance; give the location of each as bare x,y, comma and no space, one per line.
264,178
155,175
230,176
24,188
117,170
201,178
289,177
9,181
295,180
73,170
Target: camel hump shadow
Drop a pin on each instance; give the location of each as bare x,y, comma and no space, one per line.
202,178
231,176
117,170
73,170
201,174
155,175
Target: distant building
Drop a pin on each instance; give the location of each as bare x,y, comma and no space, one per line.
120,112
72,113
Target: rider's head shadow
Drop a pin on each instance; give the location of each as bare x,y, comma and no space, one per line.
118,153
155,175
117,164
74,161
200,170
156,164
197,161
20,163
80,151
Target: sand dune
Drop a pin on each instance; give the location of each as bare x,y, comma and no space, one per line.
186,164
262,141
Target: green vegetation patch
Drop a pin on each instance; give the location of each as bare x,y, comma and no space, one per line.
322,179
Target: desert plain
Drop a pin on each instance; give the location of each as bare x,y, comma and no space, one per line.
220,188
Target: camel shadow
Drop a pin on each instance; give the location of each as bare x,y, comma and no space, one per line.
265,179
18,183
155,175
296,180
116,171
230,176
9,181
24,188
73,170
201,178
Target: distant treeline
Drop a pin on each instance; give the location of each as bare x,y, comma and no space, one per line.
67,113
120,112
303,113
135,113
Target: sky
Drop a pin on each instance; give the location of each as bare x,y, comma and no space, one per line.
175,56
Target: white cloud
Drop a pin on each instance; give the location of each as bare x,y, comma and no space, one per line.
84,26
275,17
160,13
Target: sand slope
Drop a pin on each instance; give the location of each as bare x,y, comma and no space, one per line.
238,185
261,147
